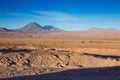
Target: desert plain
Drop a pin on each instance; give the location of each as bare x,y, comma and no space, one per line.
59,59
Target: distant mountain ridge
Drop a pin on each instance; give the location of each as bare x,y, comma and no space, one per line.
34,27
95,29
31,27
5,30
34,30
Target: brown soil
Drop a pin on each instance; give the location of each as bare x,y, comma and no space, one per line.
92,59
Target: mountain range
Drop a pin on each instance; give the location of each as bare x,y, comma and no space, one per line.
35,30
33,27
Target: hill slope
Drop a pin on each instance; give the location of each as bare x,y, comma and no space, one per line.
31,27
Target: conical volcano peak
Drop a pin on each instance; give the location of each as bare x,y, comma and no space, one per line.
33,24
31,27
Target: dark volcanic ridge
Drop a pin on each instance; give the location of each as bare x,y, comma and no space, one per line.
6,30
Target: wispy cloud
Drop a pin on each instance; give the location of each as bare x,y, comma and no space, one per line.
58,16
33,15
15,14
64,20
23,14
51,15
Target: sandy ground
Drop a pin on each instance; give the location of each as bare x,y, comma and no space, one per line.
20,60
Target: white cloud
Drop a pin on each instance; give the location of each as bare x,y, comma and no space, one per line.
62,20
54,16
15,14
58,16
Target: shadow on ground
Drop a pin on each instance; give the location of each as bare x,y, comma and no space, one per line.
105,73
102,56
14,50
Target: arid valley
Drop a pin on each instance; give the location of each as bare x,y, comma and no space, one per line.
52,59
59,39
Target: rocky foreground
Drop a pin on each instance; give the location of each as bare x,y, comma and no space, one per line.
52,64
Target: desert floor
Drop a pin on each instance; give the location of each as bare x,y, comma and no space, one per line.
59,59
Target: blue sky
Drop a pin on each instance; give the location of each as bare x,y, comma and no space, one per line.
64,14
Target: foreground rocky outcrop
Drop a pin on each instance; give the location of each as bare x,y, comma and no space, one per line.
23,62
